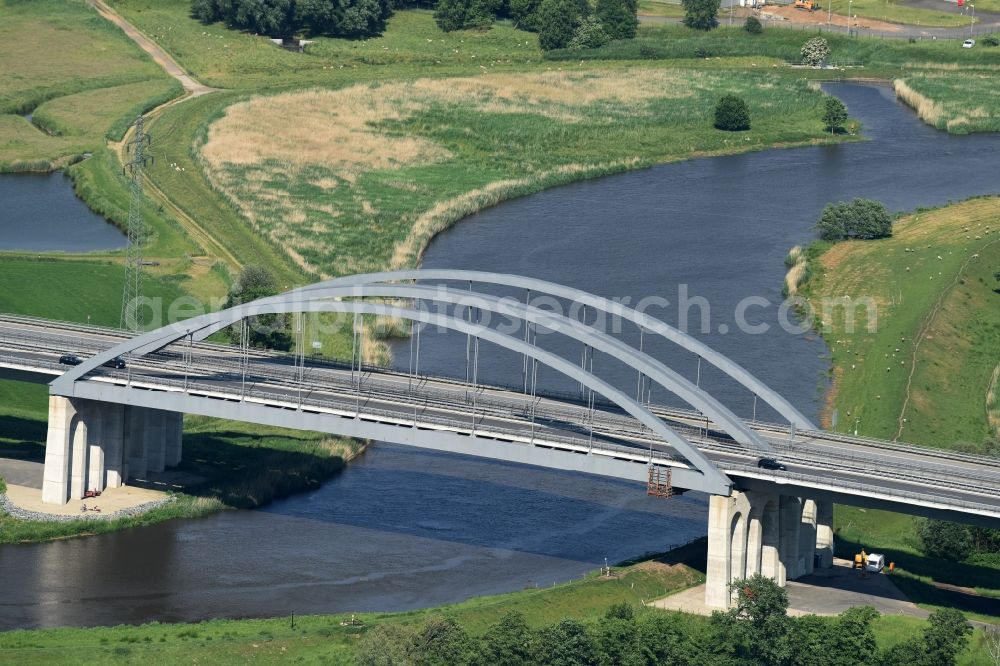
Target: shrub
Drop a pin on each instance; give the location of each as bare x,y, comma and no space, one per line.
732,114
948,541
702,52
753,26
557,22
991,40
815,51
701,14
589,34
619,18
834,114
860,218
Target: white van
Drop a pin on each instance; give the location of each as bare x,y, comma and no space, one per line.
875,563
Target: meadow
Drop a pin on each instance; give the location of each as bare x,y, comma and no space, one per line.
925,372
85,85
957,102
895,12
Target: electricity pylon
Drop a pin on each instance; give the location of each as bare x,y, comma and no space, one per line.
132,294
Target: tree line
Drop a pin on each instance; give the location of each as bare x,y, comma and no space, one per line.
756,632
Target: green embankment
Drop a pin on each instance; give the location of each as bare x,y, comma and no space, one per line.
922,372
81,77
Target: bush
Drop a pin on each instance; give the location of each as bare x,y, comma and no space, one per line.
991,40
834,114
948,541
815,51
732,114
861,218
701,14
619,18
753,26
558,21
588,35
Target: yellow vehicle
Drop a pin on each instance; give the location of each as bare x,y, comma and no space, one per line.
806,4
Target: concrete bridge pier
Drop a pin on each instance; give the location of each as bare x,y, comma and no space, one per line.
775,535
97,445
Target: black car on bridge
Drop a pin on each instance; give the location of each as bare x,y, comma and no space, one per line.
771,463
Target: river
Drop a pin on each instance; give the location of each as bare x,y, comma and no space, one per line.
403,528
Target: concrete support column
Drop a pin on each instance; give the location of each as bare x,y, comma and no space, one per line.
791,522
94,420
824,533
63,421
174,437
135,441
755,536
770,563
807,536
155,440
113,443
719,559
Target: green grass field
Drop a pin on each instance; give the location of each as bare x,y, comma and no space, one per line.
924,372
82,78
959,102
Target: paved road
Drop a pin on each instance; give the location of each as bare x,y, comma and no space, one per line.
21,472
899,32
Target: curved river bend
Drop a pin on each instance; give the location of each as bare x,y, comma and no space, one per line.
404,528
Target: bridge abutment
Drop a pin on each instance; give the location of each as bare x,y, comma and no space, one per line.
94,445
775,535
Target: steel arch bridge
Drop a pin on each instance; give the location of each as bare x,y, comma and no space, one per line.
355,295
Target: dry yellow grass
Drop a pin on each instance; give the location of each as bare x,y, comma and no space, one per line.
929,111
265,148
796,271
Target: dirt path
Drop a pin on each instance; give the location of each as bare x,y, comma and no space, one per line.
925,326
161,57
194,89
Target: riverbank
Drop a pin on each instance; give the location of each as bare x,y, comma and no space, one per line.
922,372
341,638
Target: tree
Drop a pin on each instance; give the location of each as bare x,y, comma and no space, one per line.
758,625
618,637
510,641
943,539
589,34
701,14
565,644
945,636
665,640
815,51
464,14
860,218
619,18
991,636
442,642
265,331
557,22
386,645
283,18
834,114
524,14
753,25
732,114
